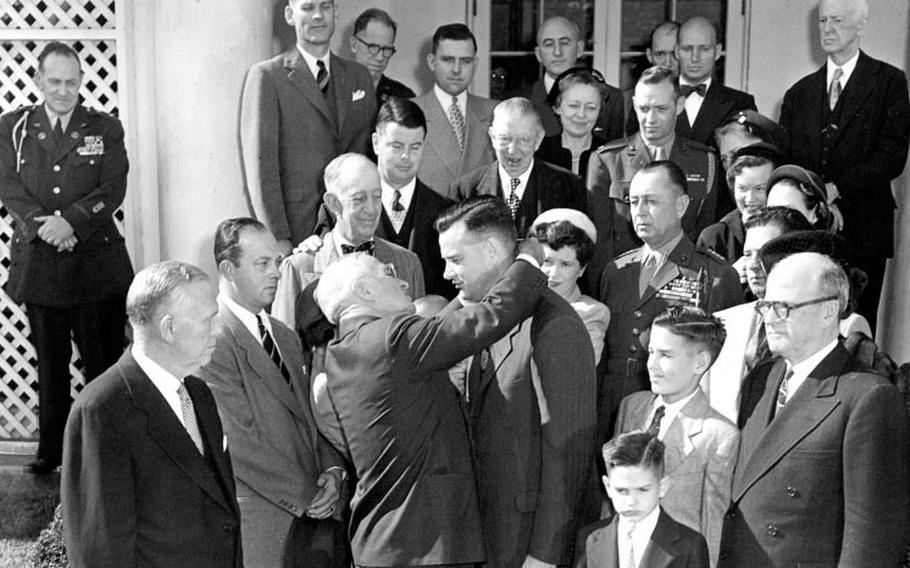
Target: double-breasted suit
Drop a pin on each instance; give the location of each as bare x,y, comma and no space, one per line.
276,450
721,103
610,172
547,188
700,452
135,490
824,482
416,501
443,161
290,131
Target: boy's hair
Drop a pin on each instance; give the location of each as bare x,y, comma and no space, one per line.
695,325
638,448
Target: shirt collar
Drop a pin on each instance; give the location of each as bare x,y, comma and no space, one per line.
662,252
671,409
548,82
246,317
847,68
506,180
311,61
388,194
668,147
802,369
445,100
643,527
706,83
53,117
340,240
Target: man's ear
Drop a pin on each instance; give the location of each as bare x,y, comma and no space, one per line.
227,269
166,328
663,486
537,55
375,138
680,105
682,204
289,15
718,51
333,203
649,56
352,44
703,361
362,289
431,61
606,481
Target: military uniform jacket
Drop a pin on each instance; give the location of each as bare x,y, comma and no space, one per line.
690,276
83,179
610,171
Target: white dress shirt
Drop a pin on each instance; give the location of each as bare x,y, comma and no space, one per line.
671,411
802,369
388,199
248,318
445,101
166,383
506,181
847,68
641,535
53,117
311,62
694,101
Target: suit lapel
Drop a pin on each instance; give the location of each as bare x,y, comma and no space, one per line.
712,111
75,130
817,102
602,547
440,134
669,270
500,352
662,546
859,88
166,430
687,425
343,90
300,76
209,423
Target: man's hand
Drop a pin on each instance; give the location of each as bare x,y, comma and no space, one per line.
323,504
309,245
531,562
68,245
533,248
54,229
285,246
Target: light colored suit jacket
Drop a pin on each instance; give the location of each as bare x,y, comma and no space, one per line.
288,134
298,270
723,381
701,447
443,161
276,449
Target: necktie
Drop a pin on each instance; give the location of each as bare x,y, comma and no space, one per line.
322,77
654,427
686,90
514,202
398,212
835,89
479,365
630,561
783,391
657,153
368,247
58,131
757,343
268,343
189,417
456,119
648,269
396,202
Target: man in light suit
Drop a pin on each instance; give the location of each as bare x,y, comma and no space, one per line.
299,110
530,399
537,186
416,502
708,104
457,122
855,140
147,478
746,345
822,474
284,469
700,443
354,197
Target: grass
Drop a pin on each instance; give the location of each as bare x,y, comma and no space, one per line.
26,506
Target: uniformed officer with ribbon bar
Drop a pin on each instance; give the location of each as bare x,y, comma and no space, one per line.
62,176
667,270
657,104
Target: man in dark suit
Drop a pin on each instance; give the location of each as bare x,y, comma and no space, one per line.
457,121
284,469
667,270
416,502
708,104
299,110
62,175
409,207
853,131
373,45
559,44
528,186
657,104
146,477
822,474
530,400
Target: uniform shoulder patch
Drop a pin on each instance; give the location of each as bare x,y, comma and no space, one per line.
695,145
712,254
626,257
614,145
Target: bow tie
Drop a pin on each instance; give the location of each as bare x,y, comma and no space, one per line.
686,90
368,247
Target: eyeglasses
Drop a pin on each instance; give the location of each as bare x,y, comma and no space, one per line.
374,49
783,309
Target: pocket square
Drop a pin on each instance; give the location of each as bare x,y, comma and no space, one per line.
357,95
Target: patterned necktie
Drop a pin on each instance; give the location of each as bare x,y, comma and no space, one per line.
657,153
189,417
480,364
835,89
368,247
456,119
398,211
514,202
783,391
322,77
757,343
654,427
630,561
268,343
686,90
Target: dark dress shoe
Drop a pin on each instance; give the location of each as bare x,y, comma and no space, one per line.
41,466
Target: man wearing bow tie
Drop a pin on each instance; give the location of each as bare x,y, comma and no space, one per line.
709,104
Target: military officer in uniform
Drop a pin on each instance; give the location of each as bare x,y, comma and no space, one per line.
657,104
62,175
667,270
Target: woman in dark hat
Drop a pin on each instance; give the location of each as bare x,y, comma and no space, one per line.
798,188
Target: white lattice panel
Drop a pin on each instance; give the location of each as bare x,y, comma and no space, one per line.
18,61
60,14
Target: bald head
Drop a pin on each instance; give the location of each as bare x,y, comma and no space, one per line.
559,44
662,50
698,49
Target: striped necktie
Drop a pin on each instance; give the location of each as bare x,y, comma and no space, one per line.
834,91
268,343
189,417
322,77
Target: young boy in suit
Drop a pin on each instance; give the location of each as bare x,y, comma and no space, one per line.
640,534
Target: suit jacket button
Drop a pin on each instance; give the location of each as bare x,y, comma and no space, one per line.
636,314
56,167
792,492
633,349
293,507
773,531
635,331
724,555
56,190
731,514
227,528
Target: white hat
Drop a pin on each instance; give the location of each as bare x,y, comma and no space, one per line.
573,216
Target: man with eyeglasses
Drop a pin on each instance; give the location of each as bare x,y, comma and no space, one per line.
373,45
528,186
822,474
299,110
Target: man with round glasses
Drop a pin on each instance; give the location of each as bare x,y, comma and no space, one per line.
372,44
823,467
